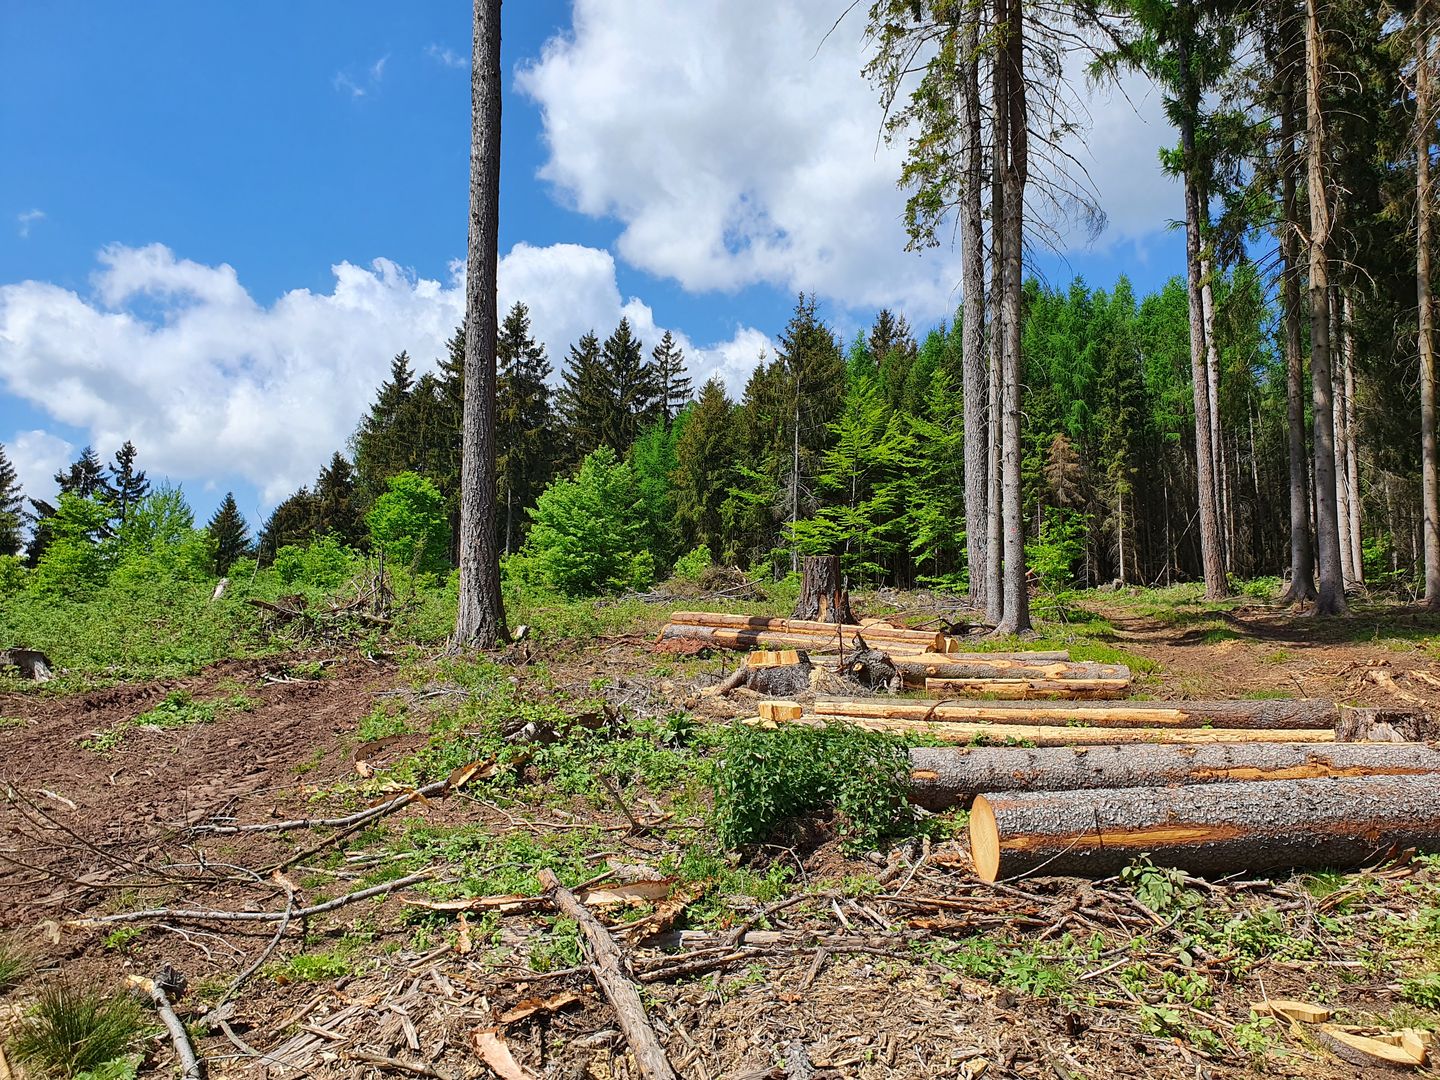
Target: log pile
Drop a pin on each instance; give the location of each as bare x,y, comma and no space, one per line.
1209,787
923,658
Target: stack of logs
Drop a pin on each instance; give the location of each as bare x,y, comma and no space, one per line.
1210,787
925,659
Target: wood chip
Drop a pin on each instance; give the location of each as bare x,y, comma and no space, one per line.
531,1006
635,892
494,1051
1366,1051
1285,1009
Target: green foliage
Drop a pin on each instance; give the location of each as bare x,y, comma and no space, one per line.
81,550
767,777
1422,990
178,709
691,566
560,947
323,563
17,962
73,1030
409,524
158,541
588,532
313,967
13,575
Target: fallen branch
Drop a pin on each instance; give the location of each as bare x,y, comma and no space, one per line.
416,1068
607,964
189,1064
203,915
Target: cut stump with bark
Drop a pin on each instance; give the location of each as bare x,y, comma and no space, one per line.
1387,725
823,597
1209,830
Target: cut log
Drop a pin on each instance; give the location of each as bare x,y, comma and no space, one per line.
780,710
1301,1011
1031,689
723,637
1024,669
822,591
916,668
1387,725
942,778
1060,735
1257,715
1369,1053
1212,829
772,658
805,627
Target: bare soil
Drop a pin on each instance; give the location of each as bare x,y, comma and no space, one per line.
846,986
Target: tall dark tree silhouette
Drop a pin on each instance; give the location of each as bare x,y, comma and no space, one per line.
12,503
229,534
480,613
667,360
130,485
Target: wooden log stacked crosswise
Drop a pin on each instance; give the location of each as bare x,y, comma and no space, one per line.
1267,715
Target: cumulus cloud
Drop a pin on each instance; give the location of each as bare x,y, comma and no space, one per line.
37,457
746,150
178,356
25,220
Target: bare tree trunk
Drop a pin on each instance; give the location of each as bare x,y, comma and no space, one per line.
994,593
480,613
1016,618
1429,455
1210,550
1352,441
972,330
1212,388
1302,555
1327,526
1342,441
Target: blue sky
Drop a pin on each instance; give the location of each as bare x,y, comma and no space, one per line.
218,222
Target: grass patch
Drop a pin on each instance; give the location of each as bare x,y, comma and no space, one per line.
73,1030
17,962
179,709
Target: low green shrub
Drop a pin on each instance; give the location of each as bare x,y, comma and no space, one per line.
74,1031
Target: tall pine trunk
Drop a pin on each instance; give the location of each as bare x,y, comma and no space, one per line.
480,613
972,330
1211,558
1327,526
1302,554
994,531
1429,474
1212,384
1342,436
1016,618
1352,439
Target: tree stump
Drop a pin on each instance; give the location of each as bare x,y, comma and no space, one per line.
822,591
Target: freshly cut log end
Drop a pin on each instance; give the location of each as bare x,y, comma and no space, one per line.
1258,716
942,777
764,658
1209,830
781,710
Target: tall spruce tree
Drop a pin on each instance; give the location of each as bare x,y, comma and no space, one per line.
524,429
704,468
672,383
634,391
583,400
378,446
229,535
85,478
12,507
336,502
129,484
294,521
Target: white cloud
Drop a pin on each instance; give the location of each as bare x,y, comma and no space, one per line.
345,83
177,355
445,57
25,220
745,151
37,457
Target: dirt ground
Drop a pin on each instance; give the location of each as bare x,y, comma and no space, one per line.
840,985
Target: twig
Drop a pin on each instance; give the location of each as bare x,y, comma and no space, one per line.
417,1068
190,1068
254,916
608,967
289,888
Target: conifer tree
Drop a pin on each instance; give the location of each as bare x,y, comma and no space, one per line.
336,502
583,399
672,383
524,437
704,470
85,478
377,445
292,522
12,506
229,535
634,390
130,485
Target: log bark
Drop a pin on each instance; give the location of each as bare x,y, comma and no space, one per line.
1209,830
722,637
1031,689
1387,726
809,627
1261,715
608,965
1060,735
942,778
1021,669
822,591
